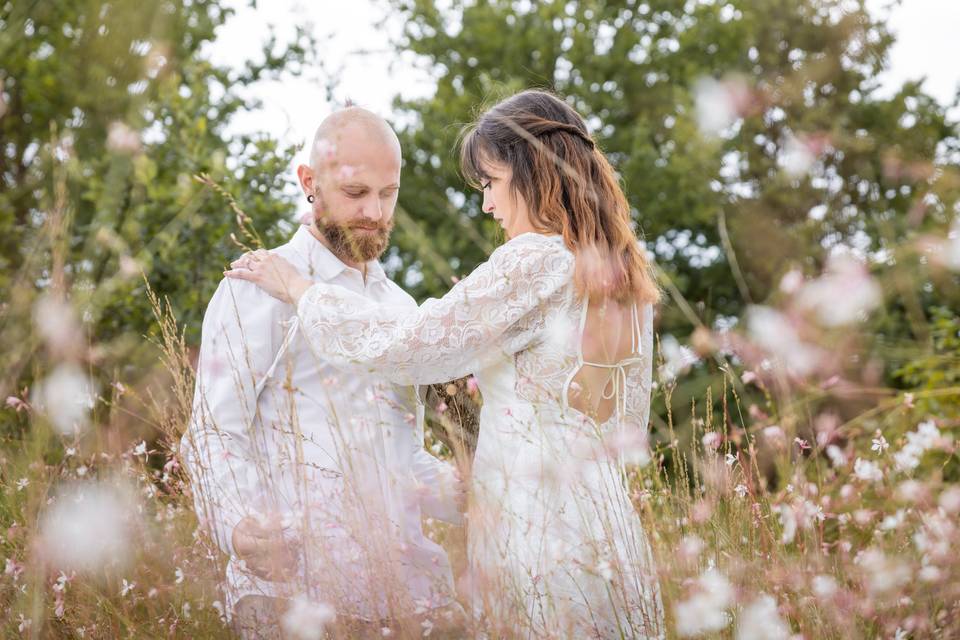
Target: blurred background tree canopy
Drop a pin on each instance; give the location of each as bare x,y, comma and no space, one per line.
109,109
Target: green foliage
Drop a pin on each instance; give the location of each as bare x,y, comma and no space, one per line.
111,109
809,71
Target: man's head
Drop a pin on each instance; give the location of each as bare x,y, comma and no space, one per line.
354,177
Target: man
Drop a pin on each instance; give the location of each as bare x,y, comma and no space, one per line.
312,480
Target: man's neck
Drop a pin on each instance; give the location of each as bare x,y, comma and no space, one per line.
359,266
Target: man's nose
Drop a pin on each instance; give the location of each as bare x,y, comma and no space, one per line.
373,210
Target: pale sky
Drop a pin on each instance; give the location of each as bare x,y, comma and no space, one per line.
352,39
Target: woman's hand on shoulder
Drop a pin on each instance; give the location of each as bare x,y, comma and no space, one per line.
270,272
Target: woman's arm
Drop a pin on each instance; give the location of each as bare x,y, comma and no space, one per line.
443,338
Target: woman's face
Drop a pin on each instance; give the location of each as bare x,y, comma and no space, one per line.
507,207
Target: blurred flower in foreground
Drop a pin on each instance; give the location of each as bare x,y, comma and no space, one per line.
944,252
926,437
706,610
677,358
797,158
843,294
56,322
761,621
306,620
87,527
777,334
122,139
867,471
67,395
720,103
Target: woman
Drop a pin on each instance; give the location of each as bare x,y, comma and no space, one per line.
556,327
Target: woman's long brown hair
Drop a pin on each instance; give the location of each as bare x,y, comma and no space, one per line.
569,187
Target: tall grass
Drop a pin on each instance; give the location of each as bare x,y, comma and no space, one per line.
785,501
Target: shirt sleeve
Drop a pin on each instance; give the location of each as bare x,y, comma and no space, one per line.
220,449
445,338
437,480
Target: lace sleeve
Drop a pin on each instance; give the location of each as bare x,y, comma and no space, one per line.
444,338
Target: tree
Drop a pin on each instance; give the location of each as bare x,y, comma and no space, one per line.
812,157
109,112
750,136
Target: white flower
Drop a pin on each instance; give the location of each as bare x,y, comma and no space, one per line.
122,139
776,334
843,294
66,396
126,587
824,587
797,157
178,576
677,358
87,527
837,457
711,440
306,620
718,103
730,459
879,443
925,437
706,610
427,627
788,518
950,500
866,470
883,574
761,621
741,490
22,484
56,322
791,281
140,449
691,547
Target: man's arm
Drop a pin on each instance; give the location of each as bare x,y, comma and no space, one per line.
442,492
223,449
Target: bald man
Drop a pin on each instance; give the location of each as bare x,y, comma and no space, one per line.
312,480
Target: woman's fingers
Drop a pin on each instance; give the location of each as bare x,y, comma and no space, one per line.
241,274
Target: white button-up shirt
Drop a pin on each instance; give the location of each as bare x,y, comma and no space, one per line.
336,457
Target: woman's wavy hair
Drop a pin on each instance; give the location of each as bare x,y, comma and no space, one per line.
569,187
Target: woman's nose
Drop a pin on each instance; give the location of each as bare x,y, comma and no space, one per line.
487,204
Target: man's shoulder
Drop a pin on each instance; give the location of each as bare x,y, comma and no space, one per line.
247,299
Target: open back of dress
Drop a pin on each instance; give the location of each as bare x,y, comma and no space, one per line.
609,344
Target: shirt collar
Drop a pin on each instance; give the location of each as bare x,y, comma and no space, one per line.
322,263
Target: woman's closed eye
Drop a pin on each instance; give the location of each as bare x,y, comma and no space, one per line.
486,185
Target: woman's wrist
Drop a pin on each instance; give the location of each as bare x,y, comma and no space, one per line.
298,288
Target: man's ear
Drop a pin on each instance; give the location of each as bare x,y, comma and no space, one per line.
307,179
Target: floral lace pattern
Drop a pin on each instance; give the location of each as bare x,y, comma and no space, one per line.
521,303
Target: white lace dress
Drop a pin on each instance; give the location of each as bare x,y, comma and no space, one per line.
556,548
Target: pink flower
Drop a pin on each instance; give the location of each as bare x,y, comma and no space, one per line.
711,440
17,404
472,386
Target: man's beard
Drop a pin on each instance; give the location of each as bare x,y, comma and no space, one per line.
355,241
